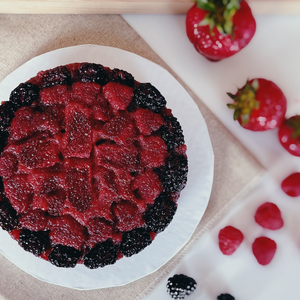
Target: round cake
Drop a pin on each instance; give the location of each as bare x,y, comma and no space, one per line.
92,164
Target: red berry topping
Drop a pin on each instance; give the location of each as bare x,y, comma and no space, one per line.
291,185
268,216
229,239
264,250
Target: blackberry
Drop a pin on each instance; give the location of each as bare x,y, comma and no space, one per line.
174,173
64,256
3,139
90,72
24,94
122,77
225,297
7,112
135,241
172,133
160,214
147,96
101,255
180,286
9,219
35,242
56,76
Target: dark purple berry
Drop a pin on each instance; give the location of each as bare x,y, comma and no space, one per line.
56,76
172,133
8,216
174,173
64,256
148,97
91,72
35,242
24,94
135,241
101,255
122,77
225,297
160,214
180,286
3,139
7,112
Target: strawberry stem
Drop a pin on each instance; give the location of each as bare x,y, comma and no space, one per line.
244,102
220,13
294,123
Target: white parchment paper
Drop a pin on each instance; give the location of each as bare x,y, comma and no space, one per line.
193,200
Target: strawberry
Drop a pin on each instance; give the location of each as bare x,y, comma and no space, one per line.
264,250
258,106
291,185
229,239
289,135
220,28
268,216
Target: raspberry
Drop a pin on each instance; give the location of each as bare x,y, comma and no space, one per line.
172,133
90,72
8,216
64,256
264,250
56,76
24,94
291,185
160,214
7,112
174,173
35,242
180,286
101,255
122,77
225,297
268,216
147,96
229,239
135,241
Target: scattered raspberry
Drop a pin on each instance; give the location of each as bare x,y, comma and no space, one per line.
135,241
147,96
180,286
264,250
230,239
225,297
64,256
160,215
35,242
268,216
101,255
291,185
24,94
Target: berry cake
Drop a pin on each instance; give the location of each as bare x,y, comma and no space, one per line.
92,164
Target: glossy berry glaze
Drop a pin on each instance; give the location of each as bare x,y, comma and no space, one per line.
92,165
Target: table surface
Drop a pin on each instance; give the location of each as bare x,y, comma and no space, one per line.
272,54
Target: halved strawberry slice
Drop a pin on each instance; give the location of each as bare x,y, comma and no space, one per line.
291,185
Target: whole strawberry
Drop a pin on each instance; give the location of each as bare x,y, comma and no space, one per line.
258,106
220,28
289,135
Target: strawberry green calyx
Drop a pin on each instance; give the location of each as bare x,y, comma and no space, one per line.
294,123
245,102
220,13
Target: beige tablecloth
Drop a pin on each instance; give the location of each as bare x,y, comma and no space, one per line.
236,171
